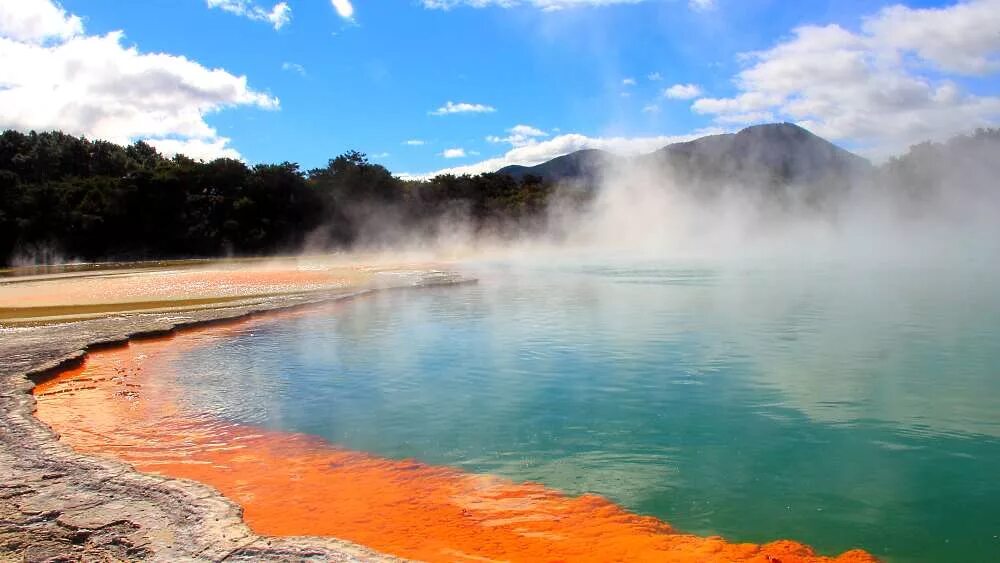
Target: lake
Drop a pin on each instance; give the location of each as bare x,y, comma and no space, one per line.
842,407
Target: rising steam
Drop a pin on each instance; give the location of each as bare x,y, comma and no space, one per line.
938,202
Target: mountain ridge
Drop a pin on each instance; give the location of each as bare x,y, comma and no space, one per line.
768,153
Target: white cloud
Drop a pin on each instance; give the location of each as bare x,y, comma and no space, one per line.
654,76
462,107
746,118
546,5
380,155
198,149
628,82
454,153
344,8
278,16
37,21
964,38
414,142
544,150
683,91
520,135
550,5
96,86
527,131
294,67
884,87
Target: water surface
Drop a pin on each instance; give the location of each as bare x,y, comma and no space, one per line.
840,407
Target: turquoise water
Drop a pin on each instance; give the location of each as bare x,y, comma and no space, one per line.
835,406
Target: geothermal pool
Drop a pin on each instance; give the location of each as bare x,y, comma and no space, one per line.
838,407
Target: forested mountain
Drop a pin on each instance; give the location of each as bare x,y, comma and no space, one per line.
68,197
969,164
585,165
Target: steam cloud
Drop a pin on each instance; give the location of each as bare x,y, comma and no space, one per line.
938,202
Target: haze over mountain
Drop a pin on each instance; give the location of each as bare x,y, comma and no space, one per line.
585,164
762,155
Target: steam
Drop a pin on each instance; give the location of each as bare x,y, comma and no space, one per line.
945,210
39,254
647,213
938,205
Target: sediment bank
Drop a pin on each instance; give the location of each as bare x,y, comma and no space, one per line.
58,503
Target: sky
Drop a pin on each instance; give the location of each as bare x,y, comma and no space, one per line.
467,86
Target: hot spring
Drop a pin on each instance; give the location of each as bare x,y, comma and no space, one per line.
560,410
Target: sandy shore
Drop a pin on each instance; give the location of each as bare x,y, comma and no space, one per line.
55,502
33,296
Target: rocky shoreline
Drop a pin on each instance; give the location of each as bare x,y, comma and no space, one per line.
58,505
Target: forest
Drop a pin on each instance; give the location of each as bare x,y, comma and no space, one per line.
64,197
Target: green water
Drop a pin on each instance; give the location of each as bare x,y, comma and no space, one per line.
842,407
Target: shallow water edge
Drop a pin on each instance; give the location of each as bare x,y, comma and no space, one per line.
55,501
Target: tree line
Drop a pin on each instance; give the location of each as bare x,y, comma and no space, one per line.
63,196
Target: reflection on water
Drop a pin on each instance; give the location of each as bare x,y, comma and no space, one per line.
843,408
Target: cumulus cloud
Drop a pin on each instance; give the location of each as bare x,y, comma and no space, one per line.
519,135
891,84
542,150
964,38
198,149
683,91
628,82
37,21
654,76
344,8
94,85
278,16
462,107
414,142
546,5
550,5
454,153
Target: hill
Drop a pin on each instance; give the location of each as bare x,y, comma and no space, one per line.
583,165
761,155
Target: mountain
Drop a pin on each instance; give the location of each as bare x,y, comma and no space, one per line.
772,154
778,154
580,165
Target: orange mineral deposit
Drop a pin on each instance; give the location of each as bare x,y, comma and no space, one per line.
120,403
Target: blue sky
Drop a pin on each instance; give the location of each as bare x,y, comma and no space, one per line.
594,73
